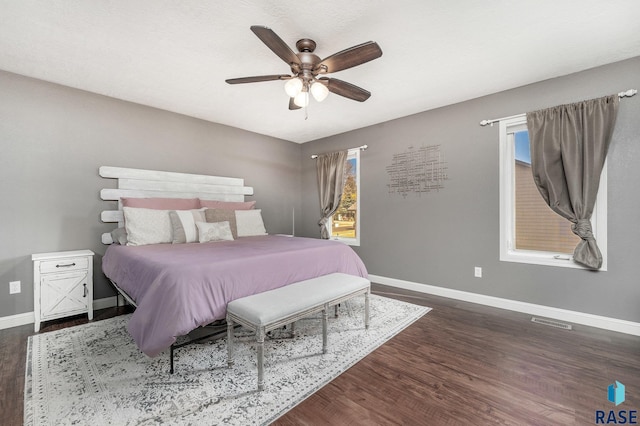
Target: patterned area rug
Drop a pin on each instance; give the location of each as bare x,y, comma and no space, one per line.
94,374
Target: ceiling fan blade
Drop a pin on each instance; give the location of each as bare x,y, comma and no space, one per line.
258,78
345,89
350,57
292,105
276,44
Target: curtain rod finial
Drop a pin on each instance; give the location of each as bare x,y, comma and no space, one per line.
627,93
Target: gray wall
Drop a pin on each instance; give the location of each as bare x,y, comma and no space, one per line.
438,238
53,139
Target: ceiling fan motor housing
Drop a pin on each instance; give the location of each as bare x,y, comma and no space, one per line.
306,69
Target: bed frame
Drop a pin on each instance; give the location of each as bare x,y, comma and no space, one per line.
153,184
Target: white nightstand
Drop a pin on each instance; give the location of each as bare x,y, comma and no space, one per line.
62,285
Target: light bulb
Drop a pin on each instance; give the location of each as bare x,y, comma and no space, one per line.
319,91
293,87
301,99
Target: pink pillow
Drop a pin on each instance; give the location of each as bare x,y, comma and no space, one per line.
162,203
227,205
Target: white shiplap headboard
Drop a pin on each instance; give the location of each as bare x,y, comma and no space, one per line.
153,183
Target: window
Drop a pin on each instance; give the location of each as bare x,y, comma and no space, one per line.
530,232
345,222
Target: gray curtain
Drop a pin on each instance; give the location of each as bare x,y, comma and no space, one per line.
569,145
330,168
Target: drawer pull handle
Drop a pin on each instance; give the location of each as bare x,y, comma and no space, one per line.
66,266
85,290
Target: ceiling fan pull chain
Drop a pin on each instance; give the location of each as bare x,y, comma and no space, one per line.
306,112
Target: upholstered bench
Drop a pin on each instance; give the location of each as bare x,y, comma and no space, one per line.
267,311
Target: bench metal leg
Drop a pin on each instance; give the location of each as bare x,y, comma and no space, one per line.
324,328
229,342
366,310
260,340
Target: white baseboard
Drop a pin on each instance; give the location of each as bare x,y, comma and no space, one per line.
16,320
28,317
107,302
613,324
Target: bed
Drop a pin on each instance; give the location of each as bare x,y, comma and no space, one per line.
178,288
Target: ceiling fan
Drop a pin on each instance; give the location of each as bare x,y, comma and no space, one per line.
307,68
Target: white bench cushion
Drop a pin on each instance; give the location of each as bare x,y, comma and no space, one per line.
265,308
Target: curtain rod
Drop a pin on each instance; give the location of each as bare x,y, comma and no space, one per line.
361,148
626,94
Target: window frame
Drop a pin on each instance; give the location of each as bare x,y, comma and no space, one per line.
352,153
508,253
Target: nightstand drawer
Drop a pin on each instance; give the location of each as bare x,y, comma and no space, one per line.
64,265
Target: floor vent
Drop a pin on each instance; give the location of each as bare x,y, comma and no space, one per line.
551,323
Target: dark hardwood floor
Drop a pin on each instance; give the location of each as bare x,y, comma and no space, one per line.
460,364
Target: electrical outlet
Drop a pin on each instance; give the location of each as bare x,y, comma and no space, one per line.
477,272
14,287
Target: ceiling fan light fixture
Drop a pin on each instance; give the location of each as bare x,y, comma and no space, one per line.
319,91
301,99
293,87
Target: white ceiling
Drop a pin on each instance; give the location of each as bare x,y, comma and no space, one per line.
175,55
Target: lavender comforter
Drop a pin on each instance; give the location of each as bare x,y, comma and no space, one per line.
179,287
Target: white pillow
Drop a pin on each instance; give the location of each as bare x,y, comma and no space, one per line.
216,231
183,225
249,223
146,226
119,236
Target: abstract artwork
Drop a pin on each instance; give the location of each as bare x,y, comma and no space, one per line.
417,170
